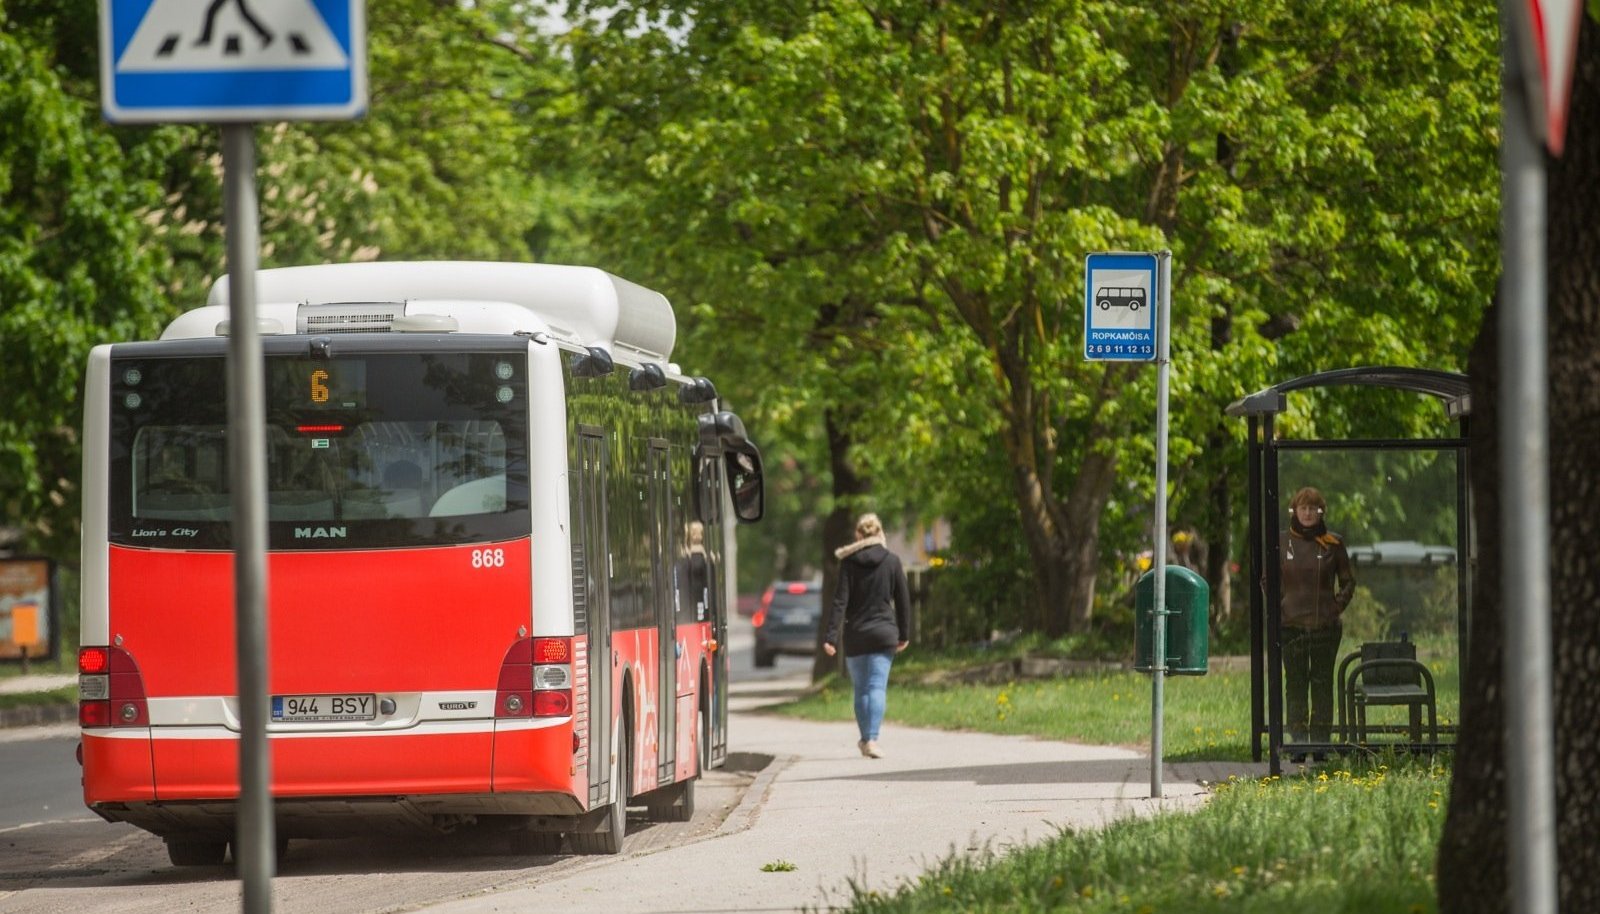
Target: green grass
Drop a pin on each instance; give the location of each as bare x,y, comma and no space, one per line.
1338,841
1350,837
64,696
1204,717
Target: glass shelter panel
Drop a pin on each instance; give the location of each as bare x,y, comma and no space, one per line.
1398,515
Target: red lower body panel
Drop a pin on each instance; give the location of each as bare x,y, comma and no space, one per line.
525,760
539,760
201,769
117,770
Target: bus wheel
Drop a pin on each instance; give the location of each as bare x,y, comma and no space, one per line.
615,827
196,851
673,803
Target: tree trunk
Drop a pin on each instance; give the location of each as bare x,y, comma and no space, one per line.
1064,541
1219,539
837,530
1471,872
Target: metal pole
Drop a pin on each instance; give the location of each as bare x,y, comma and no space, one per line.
253,839
1525,496
1158,628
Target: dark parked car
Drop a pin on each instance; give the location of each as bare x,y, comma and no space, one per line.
787,620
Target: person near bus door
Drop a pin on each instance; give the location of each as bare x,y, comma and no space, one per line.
872,609
1317,586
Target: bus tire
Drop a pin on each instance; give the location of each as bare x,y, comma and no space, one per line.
196,851
608,840
673,803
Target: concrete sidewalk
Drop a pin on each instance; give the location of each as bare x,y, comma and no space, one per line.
36,682
841,819
36,713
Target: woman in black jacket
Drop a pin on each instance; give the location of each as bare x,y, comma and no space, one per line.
872,605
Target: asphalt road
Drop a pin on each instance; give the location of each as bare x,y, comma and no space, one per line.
39,777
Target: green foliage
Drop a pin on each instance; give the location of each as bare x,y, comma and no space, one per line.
881,213
74,269
107,233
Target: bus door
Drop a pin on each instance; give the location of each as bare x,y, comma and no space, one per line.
666,610
590,575
710,498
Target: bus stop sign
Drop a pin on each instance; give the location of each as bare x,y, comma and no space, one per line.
1119,316
220,61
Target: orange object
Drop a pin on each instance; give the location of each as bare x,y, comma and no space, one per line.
25,623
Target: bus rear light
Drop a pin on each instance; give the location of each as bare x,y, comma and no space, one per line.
536,679
110,689
94,713
94,659
552,703
552,650
552,676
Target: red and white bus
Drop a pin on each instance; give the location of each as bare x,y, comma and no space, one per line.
500,560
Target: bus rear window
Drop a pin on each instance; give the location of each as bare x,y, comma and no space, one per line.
376,450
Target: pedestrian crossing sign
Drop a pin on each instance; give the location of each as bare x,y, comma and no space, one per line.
232,60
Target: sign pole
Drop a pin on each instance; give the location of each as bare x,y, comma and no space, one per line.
1525,492
253,849
1158,627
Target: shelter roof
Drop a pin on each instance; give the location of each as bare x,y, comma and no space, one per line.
1448,386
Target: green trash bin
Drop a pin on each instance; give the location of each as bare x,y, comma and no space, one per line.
1188,626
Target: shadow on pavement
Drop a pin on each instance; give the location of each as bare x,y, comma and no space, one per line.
1098,771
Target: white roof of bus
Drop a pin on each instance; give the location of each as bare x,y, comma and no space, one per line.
583,305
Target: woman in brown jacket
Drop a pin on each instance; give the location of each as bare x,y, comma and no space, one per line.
1317,585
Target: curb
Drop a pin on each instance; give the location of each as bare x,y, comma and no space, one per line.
38,715
755,796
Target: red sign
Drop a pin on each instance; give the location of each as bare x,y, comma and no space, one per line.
1547,41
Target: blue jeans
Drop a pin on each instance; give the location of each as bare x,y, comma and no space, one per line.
869,674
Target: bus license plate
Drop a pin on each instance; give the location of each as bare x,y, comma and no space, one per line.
291,708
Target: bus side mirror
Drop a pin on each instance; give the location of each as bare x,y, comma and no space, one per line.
745,483
723,430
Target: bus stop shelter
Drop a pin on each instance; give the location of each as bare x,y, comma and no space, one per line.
1401,503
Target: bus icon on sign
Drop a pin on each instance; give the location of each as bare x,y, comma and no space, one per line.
1108,297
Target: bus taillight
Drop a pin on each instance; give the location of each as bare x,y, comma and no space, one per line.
110,689
552,677
536,679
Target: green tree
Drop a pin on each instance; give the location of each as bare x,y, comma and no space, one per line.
106,233
889,205
74,269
